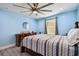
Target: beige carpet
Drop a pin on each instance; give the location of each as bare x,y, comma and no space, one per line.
13,51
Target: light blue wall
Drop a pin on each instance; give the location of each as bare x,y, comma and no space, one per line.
41,24
11,24
65,22
78,14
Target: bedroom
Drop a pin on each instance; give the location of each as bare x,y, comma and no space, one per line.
17,20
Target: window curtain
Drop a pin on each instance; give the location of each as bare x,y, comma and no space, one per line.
57,27
45,31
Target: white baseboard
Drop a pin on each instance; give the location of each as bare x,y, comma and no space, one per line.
4,47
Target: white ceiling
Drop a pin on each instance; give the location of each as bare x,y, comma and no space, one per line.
56,8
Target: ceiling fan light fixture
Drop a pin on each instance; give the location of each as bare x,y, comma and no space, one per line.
34,12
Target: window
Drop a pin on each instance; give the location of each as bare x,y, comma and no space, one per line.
51,26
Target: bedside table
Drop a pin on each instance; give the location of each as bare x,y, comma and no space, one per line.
20,36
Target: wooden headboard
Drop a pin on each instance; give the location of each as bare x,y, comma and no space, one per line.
76,24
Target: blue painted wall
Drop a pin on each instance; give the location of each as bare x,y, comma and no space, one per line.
77,14
41,24
65,22
10,24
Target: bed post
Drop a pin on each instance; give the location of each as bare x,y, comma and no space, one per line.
22,49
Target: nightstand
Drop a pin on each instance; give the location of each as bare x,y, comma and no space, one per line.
20,36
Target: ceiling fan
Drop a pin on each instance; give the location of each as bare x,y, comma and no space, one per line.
34,8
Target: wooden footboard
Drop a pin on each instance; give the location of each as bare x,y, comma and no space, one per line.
25,49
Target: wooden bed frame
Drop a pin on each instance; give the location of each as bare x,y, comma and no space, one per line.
25,49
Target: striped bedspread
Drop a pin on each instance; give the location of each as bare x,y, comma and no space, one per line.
49,45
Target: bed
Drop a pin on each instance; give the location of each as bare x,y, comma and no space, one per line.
52,45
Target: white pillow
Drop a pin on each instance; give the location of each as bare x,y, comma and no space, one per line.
70,32
73,36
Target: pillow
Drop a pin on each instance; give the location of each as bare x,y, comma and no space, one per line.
73,33
73,36
70,32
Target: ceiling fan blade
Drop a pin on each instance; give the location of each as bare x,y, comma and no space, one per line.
35,5
40,12
46,10
21,6
45,5
29,5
